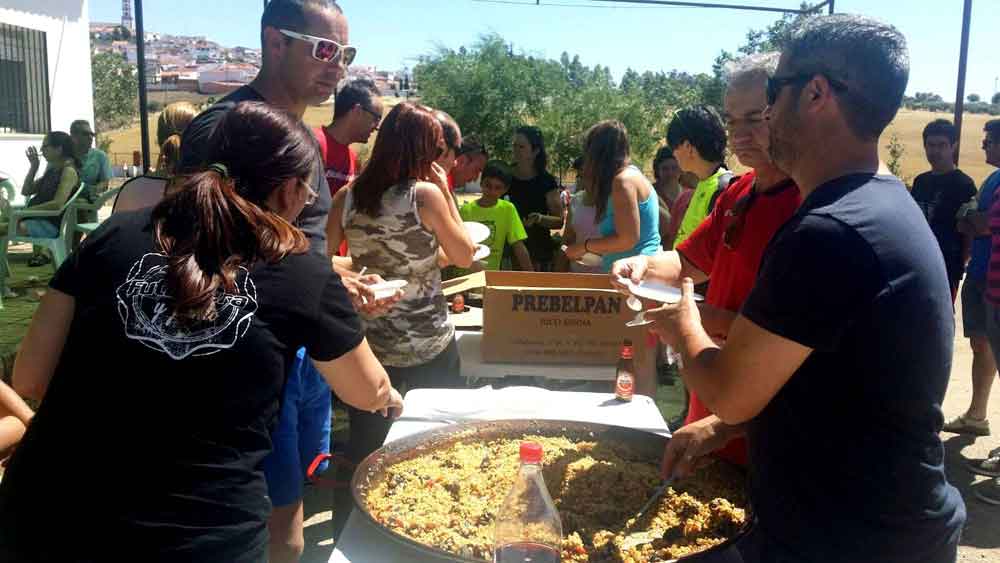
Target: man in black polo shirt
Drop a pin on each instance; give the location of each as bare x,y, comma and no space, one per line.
838,363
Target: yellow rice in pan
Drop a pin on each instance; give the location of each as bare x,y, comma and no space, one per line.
449,499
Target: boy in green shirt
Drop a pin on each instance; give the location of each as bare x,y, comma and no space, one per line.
500,216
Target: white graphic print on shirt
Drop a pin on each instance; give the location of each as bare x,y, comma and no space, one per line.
144,308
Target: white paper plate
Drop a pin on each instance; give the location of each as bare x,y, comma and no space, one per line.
478,232
386,289
656,291
482,252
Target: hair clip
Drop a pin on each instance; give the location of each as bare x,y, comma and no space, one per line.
220,169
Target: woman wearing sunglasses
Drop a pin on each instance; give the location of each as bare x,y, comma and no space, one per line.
398,217
627,207
190,314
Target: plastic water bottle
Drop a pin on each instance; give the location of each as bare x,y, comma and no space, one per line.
528,528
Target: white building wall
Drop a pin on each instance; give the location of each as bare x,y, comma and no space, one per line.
66,25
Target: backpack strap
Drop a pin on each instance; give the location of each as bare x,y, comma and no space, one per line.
725,180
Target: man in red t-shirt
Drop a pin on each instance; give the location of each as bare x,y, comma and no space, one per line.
727,248
357,112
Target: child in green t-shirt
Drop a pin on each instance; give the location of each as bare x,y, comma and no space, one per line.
500,216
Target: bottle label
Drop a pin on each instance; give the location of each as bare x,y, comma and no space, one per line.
626,352
624,386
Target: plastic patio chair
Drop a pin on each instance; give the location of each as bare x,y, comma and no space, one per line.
59,246
101,201
7,193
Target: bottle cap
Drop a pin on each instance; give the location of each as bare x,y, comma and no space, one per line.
531,452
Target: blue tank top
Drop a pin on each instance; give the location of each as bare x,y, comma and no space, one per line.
649,231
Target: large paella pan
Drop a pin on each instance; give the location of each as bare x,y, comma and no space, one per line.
438,491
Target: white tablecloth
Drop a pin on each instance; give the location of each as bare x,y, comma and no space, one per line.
424,409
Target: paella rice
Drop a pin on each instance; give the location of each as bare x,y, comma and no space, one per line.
448,499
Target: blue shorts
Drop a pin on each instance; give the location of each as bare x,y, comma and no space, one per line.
40,228
303,431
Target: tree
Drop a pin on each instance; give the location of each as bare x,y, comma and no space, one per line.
996,99
121,33
973,98
116,87
630,81
490,90
896,152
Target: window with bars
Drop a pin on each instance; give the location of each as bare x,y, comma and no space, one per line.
24,81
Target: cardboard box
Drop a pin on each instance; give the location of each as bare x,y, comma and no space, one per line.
551,318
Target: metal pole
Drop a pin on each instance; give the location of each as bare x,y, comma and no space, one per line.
830,6
140,42
962,63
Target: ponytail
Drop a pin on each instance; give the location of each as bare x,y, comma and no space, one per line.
170,152
208,230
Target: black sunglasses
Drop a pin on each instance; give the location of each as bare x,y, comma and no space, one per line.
775,84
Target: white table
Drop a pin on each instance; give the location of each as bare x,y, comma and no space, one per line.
423,409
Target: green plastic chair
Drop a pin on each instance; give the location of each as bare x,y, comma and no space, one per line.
104,198
7,193
59,246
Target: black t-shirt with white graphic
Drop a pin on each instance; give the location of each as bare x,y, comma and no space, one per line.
150,433
940,196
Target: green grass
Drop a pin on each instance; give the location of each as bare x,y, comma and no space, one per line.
17,312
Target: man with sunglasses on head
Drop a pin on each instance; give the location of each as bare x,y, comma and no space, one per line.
305,55
838,361
357,113
726,248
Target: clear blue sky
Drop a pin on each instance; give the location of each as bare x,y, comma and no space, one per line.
392,33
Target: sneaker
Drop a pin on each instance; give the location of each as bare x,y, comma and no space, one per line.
989,467
989,492
963,424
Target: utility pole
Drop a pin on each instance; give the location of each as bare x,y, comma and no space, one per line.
962,63
140,43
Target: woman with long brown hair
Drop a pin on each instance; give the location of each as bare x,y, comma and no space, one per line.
398,216
627,213
167,338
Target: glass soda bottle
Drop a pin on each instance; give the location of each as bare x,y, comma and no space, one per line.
528,528
625,374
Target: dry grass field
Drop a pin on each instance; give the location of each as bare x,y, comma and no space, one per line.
908,126
125,141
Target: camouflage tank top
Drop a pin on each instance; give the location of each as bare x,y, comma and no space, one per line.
396,246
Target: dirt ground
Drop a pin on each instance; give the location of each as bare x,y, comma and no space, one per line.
980,540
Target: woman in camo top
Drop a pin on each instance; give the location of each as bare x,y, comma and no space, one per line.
399,219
